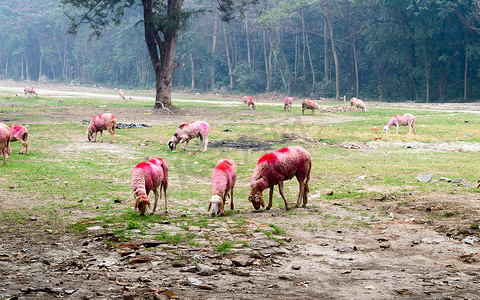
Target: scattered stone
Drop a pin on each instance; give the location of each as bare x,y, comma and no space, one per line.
131,125
205,270
295,267
403,291
242,261
239,272
194,228
424,177
470,240
385,245
347,249
382,239
151,244
194,281
284,277
95,228
191,269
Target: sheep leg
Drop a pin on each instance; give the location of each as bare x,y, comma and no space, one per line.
156,200
414,131
4,156
397,128
165,194
205,143
222,209
112,132
101,136
24,146
95,138
186,145
231,198
200,145
270,196
280,189
303,111
301,193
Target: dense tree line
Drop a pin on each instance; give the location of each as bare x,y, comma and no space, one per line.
392,50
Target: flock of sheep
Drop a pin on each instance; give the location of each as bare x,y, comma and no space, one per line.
272,168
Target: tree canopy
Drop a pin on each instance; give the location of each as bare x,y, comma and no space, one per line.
388,50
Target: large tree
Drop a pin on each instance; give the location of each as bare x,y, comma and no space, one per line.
162,20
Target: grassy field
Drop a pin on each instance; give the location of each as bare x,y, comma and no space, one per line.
67,181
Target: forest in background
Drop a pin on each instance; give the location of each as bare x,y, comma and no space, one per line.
403,50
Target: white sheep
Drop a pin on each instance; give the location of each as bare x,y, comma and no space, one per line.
223,181
5,135
402,120
358,103
186,132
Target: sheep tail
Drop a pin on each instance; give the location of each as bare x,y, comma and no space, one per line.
307,190
114,125
165,175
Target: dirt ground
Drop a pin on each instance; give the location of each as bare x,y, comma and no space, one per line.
402,255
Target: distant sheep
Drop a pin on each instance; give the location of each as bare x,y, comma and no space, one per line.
5,135
357,103
148,176
223,182
402,120
20,133
309,104
100,123
248,101
122,94
29,90
287,103
276,167
188,131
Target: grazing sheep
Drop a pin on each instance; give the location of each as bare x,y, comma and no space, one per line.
248,101
188,131
100,123
357,103
276,167
5,135
223,181
122,94
20,133
148,176
309,104
402,120
29,90
287,103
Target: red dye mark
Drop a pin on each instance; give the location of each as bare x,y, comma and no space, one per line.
375,129
224,165
269,157
143,165
400,115
284,150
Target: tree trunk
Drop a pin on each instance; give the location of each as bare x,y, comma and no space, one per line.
427,73
466,69
192,67
229,62
356,68
214,46
325,49
311,63
304,47
41,59
267,72
248,46
22,77
162,53
335,58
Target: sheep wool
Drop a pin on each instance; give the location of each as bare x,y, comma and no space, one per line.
287,103
402,120
309,104
149,176
5,135
276,167
224,176
100,123
358,103
20,133
186,132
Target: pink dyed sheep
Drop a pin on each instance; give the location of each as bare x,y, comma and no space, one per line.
276,167
248,101
5,135
29,90
188,131
309,104
223,181
148,176
100,123
287,103
122,94
20,133
357,103
402,120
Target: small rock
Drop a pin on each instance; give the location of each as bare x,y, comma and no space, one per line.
424,177
205,270
194,281
384,245
470,240
403,291
191,269
242,261
347,249
194,228
295,267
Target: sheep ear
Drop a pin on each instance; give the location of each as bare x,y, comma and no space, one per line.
209,206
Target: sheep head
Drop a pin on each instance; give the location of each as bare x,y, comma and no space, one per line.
216,204
385,129
173,142
257,200
141,202
90,132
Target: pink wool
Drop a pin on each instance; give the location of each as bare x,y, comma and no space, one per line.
357,103
309,104
402,120
224,176
188,131
29,90
287,103
276,167
248,101
20,133
100,123
122,94
5,135
148,176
